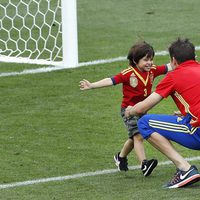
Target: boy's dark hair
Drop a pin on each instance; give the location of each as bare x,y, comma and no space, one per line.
138,51
182,50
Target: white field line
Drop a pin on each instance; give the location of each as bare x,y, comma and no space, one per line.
55,68
81,175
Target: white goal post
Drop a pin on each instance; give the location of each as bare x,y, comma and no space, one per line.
39,32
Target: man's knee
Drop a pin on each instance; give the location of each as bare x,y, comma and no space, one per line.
143,126
143,121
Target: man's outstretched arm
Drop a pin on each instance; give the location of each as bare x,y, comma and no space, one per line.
143,106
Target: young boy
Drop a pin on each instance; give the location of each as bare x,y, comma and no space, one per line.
137,82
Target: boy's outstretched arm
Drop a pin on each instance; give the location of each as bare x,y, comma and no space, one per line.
86,85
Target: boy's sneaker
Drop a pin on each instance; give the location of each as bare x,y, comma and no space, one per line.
184,178
121,163
148,166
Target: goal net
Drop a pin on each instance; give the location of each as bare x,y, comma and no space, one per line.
31,31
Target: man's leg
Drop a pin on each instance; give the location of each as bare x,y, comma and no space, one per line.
166,147
172,128
159,130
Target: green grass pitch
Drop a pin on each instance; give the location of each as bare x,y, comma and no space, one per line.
50,128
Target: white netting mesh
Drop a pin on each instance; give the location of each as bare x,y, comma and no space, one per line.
31,29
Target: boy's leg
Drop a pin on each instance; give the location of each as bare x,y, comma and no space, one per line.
127,148
120,158
121,161
147,166
139,148
135,141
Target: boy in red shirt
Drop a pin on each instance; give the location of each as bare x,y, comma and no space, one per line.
137,82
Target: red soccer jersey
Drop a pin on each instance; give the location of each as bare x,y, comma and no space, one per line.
183,84
137,85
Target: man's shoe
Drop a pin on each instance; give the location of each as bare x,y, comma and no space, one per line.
121,163
184,178
148,166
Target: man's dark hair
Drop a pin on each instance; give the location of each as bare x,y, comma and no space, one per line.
182,50
139,51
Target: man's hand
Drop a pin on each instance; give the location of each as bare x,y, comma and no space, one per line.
129,111
178,113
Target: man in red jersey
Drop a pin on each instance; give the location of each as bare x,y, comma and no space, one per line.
137,82
183,86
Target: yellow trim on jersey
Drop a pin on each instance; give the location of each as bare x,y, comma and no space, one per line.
125,71
184,103
182,100
141,78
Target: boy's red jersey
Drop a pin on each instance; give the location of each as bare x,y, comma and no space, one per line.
137,85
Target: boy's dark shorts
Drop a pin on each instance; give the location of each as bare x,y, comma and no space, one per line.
130,123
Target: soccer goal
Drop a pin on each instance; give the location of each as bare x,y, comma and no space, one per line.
39,32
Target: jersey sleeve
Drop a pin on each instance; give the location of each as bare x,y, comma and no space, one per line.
120,78
165,87
160,70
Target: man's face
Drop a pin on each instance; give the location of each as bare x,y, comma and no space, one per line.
173,63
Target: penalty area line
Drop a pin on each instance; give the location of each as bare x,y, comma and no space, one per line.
81,175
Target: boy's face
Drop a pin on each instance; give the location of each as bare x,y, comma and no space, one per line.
145,63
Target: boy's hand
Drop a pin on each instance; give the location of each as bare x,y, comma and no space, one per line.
85,85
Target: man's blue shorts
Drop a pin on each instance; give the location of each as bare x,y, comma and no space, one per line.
177,129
